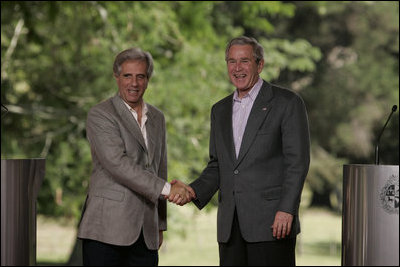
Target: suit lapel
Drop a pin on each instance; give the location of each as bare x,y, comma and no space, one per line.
258,113
152,131
128,120
226,127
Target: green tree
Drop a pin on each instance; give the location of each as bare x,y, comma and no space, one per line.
58,63
354,86
342,57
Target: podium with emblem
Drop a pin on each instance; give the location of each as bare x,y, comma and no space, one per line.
370,215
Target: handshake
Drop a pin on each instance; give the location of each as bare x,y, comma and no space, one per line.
180,193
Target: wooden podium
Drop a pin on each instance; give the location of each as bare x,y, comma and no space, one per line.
370,215
20,183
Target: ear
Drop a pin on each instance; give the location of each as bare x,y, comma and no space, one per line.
260,66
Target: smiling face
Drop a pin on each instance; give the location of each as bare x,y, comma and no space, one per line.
132,82
242,68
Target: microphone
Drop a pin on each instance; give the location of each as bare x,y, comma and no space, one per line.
394,108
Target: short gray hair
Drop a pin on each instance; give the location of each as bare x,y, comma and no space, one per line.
258,50
134,53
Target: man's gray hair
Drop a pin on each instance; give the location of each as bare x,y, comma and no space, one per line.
133,54
258,51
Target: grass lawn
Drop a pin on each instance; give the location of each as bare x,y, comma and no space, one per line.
54,240
318,244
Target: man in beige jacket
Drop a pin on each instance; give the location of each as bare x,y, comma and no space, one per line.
125,211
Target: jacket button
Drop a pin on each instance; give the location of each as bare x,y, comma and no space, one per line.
235,171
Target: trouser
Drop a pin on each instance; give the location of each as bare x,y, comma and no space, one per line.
238,252
96,253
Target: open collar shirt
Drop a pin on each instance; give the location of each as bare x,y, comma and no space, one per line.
241,111
143,119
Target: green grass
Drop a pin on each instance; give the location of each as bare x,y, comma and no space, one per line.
197,245
55,239
318,244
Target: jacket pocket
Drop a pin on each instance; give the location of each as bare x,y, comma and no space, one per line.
272,193
268,132
110,194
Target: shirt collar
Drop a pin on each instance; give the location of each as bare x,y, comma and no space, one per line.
252,93
144,107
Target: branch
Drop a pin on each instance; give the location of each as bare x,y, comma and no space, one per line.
43,112
11,48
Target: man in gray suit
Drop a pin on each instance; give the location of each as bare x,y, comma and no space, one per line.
125,212
259,159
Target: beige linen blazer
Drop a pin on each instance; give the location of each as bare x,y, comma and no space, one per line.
127,177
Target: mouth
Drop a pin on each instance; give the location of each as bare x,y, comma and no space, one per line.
239,76
133,91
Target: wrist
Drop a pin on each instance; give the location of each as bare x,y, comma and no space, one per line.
166,189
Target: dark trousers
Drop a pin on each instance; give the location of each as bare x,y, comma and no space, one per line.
238,252
96,253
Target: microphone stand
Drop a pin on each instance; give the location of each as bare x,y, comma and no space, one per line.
5,109
394,108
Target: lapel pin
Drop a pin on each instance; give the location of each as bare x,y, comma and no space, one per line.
264,108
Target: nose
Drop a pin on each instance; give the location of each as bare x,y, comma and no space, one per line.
238,66
134,82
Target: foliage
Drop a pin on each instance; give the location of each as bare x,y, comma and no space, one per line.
61,66
351,93
57,63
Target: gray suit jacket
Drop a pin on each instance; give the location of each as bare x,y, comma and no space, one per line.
127,178
268,174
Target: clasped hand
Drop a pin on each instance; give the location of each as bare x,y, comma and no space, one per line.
180,193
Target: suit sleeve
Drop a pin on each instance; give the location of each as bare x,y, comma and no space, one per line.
296,152
162,203
107,146
208,183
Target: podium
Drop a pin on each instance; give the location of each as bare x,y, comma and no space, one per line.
370,215
20,183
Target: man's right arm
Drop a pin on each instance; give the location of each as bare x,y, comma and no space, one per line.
204,187
208,183
109,150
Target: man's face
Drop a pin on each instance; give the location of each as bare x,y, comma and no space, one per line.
242,68
132,82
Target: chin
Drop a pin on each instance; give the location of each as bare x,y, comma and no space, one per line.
242,88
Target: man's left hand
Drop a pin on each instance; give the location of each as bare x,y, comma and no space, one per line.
282,224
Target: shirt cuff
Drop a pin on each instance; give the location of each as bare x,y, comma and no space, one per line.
166,189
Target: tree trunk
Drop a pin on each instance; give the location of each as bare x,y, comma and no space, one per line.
321,199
